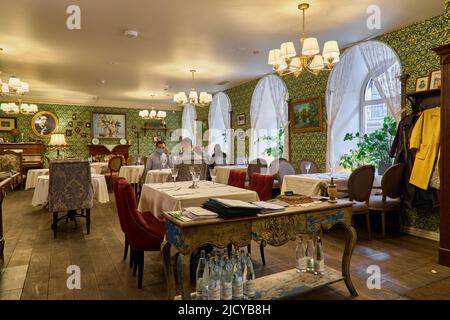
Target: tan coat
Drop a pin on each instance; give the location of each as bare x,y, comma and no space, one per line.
425,138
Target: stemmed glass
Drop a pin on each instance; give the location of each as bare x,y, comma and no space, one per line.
212,173
307,167
195,174
174,173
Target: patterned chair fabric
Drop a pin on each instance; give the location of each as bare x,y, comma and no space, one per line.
256,166
115,163
262,184
185,175
70,186
237,178
11,161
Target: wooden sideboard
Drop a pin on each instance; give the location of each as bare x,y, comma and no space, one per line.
99,149
32,153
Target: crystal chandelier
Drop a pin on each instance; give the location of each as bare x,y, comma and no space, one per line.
19,108
202,100
285,60
14,86
153,114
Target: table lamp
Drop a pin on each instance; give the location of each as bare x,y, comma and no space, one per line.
57,142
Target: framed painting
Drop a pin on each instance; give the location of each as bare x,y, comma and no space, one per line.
108,125
241,119
422,83
306,115
435,80
7,124
44,123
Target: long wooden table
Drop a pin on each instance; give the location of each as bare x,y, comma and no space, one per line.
275,229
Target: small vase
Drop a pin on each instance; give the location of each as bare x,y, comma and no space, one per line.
332,192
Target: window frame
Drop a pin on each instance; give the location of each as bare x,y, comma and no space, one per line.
363,103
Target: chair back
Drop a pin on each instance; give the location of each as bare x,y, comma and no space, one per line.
184,171
312,169
237,178
119,203
136,160
256,166
360,183
263,185
11,161
392,181
115,163
280,168
70,186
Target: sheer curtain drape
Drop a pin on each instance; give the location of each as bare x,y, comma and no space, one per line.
268,104
384,68
188,123
219,124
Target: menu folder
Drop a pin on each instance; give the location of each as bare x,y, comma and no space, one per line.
227,208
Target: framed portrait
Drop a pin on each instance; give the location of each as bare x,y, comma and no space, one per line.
241,119
77,129
74,116
422,84
80,123
87,124
240,135
435,80
108,125
70,124
7,124
68,133
306,115
44,123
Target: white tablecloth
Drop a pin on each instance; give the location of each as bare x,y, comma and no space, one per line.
313,184
131,173
223,172
158,176
97,167
40,196
32,176
157,197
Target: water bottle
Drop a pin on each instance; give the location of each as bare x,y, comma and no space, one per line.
238,280
205,278
214,282
199,274
226,285
319,261
249,285
310,255
300,256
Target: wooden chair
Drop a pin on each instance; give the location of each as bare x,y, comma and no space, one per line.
359,189
256,166
313,168
184,171
114,165
237,178
12,161
280,168
391,199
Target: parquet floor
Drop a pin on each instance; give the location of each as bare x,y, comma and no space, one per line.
35,266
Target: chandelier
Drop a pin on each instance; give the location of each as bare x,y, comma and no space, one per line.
202,100
285,60
19,108
153,114
14,86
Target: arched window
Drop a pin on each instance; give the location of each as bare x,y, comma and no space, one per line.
269,114
188,123
373,108
219,123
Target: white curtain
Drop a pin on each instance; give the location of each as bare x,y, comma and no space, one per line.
219,124
188,123
336,90
384,68
268,104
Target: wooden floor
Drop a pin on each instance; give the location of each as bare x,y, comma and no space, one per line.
36,263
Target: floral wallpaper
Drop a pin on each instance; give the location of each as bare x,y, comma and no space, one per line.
77,142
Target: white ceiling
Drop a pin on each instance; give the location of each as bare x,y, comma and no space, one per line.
216,37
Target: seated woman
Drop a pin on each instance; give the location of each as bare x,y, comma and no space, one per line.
218,157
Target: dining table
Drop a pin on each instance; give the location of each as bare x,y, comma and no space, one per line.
99,167
223,172
158,176
315,184
40,195
132,173
160,197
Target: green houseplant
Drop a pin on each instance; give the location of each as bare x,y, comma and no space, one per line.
373,148
277,150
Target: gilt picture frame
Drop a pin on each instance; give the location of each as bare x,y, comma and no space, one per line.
44,123
108,125
306,115
7,124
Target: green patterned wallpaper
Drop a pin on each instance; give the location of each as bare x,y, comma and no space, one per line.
77,144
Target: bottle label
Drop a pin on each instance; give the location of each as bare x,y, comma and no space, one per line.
205,293
214,292
226,291
310,263
199,289
238,290
249,288
319,266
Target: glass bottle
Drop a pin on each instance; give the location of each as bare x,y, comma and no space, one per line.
300,256
214,282
310,255
238,281
226,285
319,261
199,274
205,278
249,285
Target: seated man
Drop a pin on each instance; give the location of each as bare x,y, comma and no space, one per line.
160,158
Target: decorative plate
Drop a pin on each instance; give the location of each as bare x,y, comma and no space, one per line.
123,141
95,141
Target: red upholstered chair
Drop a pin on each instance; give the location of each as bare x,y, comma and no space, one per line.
262,184
121,213
237,178
142,236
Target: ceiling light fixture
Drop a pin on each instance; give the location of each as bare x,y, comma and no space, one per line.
19,108
153,114
13,87
285,60
133,34
202,100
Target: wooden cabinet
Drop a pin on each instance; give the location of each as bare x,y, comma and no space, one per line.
99,150
32,153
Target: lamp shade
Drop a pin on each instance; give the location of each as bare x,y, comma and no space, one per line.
180,97
152,114
14,83
5,88
330,50
161,114
287,50
25,87
193,96
143,113
274,57
316,63
57,141
310,47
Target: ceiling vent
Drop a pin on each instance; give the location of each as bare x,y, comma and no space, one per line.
132,34
222,83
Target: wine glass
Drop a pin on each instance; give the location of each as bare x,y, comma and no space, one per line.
212,173
307,167
195,174
174,173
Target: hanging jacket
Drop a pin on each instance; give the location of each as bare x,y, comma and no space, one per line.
425,138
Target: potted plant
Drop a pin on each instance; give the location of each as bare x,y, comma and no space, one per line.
373,148
277,149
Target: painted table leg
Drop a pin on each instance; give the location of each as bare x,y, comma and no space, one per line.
185,276
168,269
350,242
